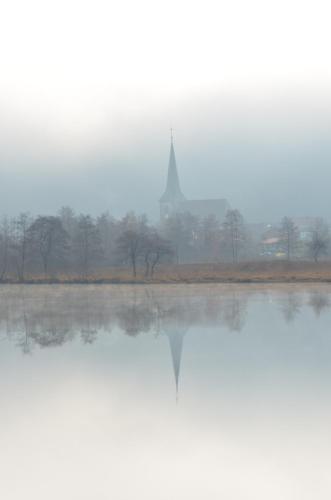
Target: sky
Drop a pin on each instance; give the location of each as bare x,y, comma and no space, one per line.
89,91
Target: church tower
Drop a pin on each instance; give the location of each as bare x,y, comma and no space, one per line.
173,196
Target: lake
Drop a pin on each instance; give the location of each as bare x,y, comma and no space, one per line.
188,392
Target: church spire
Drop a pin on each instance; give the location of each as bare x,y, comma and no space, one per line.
173,193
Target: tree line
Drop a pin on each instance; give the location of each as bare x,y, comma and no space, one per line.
315,245
82,245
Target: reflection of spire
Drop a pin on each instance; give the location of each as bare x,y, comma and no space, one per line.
176,338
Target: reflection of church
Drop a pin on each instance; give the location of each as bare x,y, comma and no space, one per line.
176,336
174,202
56,319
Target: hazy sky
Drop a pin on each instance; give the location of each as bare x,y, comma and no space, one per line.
89,90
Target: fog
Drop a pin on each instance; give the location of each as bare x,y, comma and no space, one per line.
88,95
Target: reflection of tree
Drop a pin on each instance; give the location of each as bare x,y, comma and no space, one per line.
48,316
25,341
291,306
135,318
52,337
319,301
89,336
235,312
213,309
88,332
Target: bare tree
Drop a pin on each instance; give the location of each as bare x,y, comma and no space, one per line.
109,230
210,237
183,229
130,243
233,229
155,250
49,239
21,243
5,243
130,246
289,234
320,239
87,244
173,230
69,220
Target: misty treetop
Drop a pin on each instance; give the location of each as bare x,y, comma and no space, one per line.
81,245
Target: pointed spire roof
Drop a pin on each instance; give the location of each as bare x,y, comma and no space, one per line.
176,338
173,193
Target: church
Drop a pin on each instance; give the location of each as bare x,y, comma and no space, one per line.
174,202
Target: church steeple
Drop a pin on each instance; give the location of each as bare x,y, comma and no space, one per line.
173,193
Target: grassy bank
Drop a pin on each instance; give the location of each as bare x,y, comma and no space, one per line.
245,272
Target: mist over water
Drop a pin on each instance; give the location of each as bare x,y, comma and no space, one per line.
88,384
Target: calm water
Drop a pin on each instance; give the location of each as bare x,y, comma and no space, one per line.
165,393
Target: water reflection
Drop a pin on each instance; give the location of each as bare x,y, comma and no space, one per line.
50,316
291,306
94,399
319,301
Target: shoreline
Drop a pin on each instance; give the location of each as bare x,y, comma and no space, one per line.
273,272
